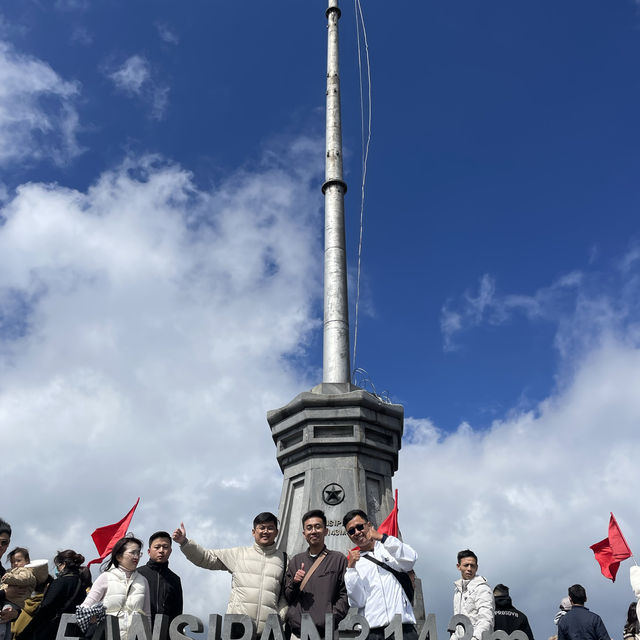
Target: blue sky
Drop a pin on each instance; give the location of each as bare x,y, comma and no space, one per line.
160,248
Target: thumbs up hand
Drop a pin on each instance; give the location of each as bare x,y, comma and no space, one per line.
300,573
180,534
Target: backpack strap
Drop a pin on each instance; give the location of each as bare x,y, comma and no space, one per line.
403,578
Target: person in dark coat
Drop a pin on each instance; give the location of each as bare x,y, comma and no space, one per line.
507,617
5,541
314,580
579,623
63,595
10,613
165,587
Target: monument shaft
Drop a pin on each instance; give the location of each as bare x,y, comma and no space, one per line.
337,444
336,367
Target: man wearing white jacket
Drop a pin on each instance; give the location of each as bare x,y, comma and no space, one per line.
257,571
371,584
472,597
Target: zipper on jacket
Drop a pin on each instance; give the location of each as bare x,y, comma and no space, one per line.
264,565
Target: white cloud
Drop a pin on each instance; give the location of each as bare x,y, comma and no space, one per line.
38,117
135,78
82,36
132,75
146,328
487,306
167,34
72,5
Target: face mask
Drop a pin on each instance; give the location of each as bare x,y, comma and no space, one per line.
56,572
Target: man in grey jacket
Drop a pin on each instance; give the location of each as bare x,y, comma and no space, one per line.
257,571
472,597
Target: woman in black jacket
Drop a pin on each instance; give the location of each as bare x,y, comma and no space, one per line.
62,596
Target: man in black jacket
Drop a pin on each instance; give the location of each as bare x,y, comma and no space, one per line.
165,586
5,540
507,617
9,614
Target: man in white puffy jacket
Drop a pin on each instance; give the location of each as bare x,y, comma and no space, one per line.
256,572
472,597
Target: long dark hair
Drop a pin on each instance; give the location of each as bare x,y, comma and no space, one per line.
118,549
632,625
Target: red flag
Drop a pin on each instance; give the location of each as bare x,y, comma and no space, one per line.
390,524
105,537
611,551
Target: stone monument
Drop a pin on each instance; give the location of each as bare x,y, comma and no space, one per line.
337,444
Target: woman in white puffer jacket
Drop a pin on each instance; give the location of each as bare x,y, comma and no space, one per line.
120,588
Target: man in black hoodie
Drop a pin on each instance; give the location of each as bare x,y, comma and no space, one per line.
507,617
165,587
5,541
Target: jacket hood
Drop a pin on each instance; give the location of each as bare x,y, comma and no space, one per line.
503,602
463,585
634,576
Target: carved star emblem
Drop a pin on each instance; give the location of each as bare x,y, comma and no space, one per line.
333,494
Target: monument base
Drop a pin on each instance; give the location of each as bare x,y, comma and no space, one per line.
337,446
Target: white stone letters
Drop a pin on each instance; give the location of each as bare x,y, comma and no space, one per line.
353,623
395,628
464,622
272,628
242,627
236,620
428,631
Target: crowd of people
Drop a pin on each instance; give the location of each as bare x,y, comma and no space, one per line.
376,578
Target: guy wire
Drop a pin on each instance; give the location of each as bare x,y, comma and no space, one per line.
365,155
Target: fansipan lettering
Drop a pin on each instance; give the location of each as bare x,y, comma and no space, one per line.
241,627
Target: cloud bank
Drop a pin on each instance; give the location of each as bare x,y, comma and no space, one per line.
146,326
534,491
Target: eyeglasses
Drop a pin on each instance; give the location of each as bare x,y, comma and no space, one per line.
314,527
134,554
267,528
358,527
4,543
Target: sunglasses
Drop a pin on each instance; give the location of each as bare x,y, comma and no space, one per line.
358,527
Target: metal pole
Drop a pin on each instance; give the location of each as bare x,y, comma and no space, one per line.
335,361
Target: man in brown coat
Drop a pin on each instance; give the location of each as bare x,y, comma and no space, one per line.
314,582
